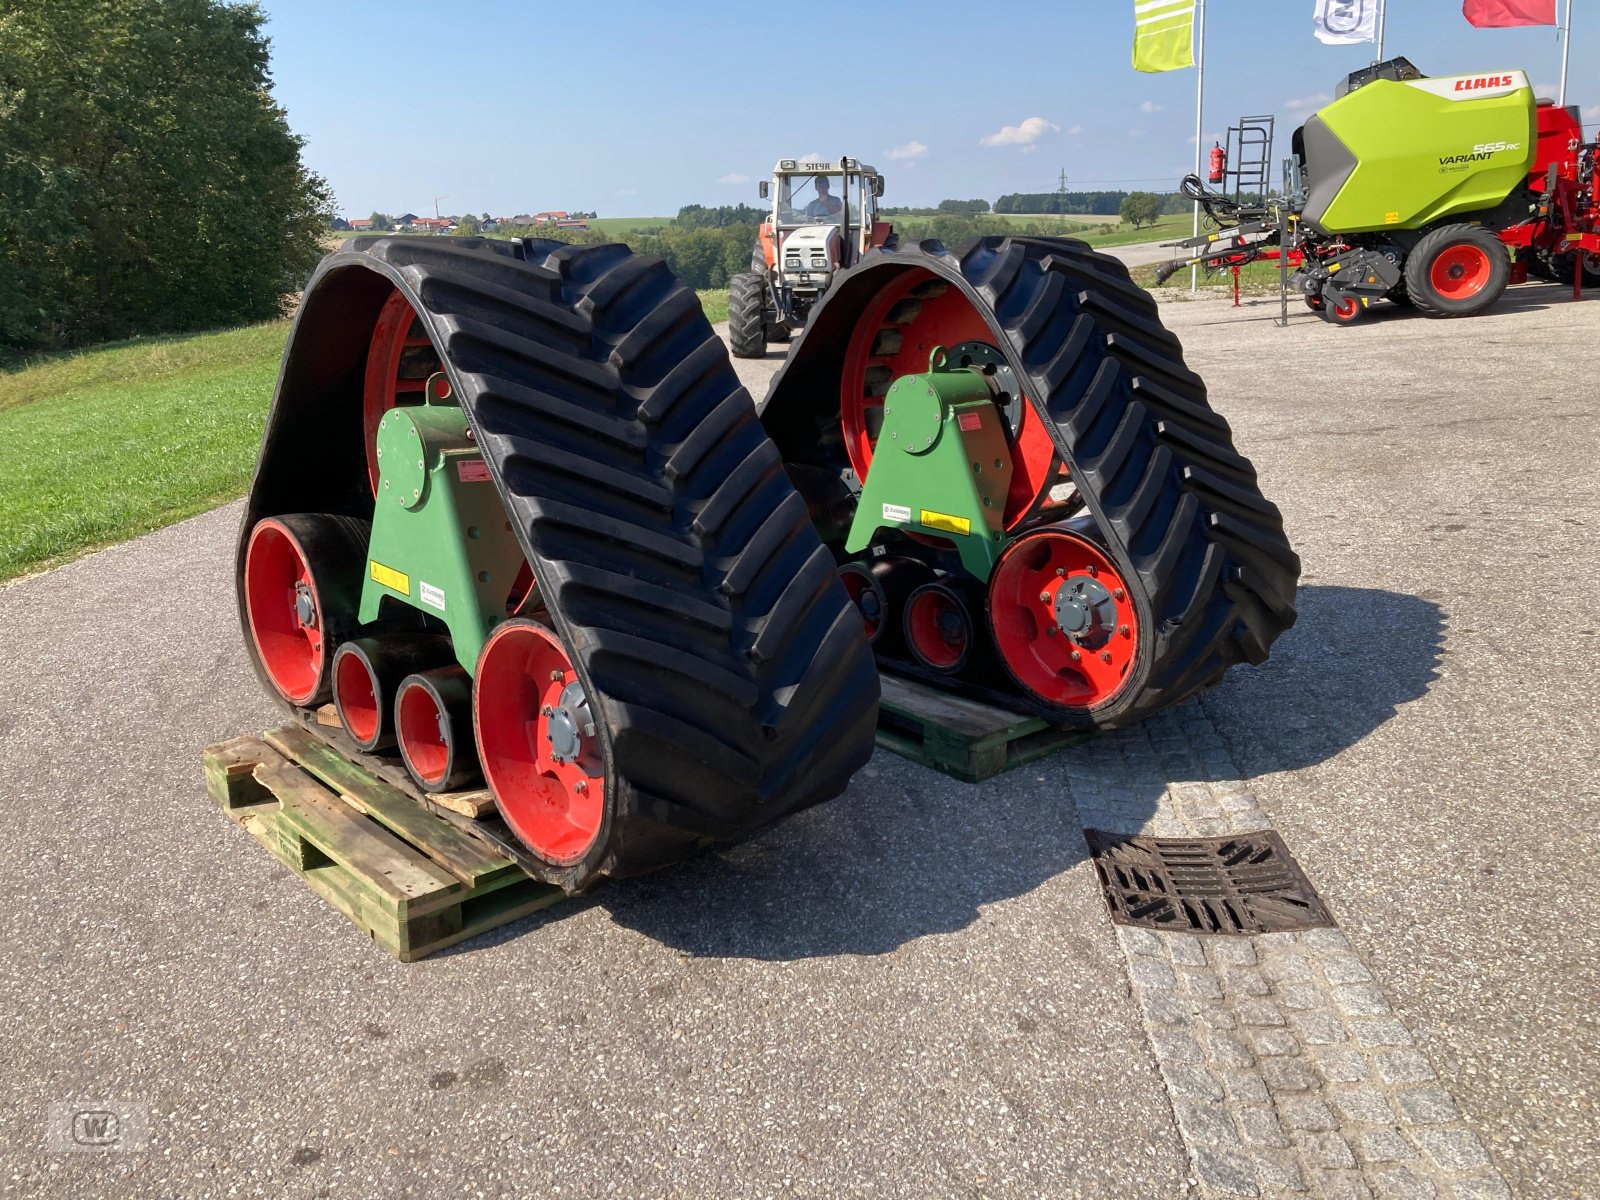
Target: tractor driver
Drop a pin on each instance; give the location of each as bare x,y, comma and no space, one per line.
825,205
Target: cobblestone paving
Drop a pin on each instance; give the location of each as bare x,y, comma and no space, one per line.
1289,1073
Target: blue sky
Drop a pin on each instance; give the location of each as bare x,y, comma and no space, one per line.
635,109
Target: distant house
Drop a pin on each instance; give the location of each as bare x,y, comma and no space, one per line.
360,224
405,220
572,224
524,219
432,224
341,224
552,217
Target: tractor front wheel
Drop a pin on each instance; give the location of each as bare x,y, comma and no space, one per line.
1457,271
747,301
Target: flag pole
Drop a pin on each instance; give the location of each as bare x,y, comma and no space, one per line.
1199,121
1383,17
1566,54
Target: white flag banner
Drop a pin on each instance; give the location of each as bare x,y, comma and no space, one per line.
1341,22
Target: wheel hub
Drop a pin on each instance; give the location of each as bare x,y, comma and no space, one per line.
570,725
1084,610
305,607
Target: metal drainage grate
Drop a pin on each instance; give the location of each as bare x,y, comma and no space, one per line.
1246,883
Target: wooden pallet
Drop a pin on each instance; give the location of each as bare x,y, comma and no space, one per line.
965,738
413,882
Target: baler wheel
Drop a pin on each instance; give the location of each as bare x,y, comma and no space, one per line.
1063,621
433,717
1336,313
301,593
1457,271
539,743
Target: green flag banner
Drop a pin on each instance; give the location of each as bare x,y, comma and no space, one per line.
1163,35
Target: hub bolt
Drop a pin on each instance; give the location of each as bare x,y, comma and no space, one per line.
1123,630
556,676
1105,656
546,710
1044,597
1117,592
581,787
1061,572
1077,656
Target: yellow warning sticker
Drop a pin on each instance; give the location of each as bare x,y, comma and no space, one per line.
937,520
1391,218
390,578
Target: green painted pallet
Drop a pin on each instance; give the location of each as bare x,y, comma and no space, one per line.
965,738
411,881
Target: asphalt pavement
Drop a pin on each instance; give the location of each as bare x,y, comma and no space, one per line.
914,990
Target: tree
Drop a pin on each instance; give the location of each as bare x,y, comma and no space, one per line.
148,181
969,208
467,225
1140,208
381,222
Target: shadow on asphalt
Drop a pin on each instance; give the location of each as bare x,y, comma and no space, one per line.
907,853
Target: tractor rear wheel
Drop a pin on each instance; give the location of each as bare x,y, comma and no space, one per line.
747,300
1457,271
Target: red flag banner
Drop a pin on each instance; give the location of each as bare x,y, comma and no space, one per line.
1499,14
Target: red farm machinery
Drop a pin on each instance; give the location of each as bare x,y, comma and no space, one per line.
517,519
1434,193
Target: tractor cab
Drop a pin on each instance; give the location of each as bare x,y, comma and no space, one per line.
824,217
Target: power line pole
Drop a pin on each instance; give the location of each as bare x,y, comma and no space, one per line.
1061,196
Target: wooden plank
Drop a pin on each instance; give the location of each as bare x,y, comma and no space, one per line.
464,856
229,772
970,718
476,803
401,877
328,715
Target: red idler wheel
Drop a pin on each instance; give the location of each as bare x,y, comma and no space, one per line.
302,594
1062,619
894,337
367,674
433,714
400,360
1347,312
879,588
539,742
943,624
1461,271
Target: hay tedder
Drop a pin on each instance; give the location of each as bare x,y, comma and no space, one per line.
1413,189
516,517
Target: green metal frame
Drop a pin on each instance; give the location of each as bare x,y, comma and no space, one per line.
941,467
440,539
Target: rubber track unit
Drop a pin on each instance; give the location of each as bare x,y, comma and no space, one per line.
677,563
1212,575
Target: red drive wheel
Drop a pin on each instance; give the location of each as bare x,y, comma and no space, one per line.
432,713
400,359
943,626
894,337
1063,622
539,742
302,591
367,674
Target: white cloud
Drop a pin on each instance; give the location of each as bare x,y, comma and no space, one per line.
910,150
1149,106
1307,103
734,177
1075,131
1025,134
1029,149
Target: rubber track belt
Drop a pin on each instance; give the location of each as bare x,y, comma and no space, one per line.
678,564
1212,575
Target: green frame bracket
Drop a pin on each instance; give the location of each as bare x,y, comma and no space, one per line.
941,467
440,539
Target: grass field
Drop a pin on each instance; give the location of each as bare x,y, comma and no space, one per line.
1047,218
103,445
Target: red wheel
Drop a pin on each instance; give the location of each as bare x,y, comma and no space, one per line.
538,741
896,332
432,710
302,589
367,674
400,358
1461,271
1062,619
879,589
942,624
1346,312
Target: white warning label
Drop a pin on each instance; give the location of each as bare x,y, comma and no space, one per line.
896,512
432,596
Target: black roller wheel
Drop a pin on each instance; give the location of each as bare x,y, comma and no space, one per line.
1457,271
747,301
